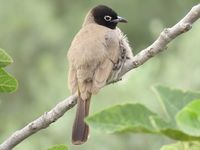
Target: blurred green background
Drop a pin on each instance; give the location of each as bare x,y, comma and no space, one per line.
37,34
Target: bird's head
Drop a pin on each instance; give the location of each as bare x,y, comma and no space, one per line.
105,16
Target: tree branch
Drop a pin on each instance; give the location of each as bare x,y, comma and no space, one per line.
166,36
41,123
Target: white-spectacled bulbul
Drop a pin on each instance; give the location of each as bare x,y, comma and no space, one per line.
96,55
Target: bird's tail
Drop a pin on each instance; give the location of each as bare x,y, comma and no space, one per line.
80,128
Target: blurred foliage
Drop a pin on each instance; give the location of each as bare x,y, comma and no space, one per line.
37,34
58,147
5,59
182,146
181,120
188,118
7,82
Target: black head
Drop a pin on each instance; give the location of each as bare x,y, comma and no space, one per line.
107,17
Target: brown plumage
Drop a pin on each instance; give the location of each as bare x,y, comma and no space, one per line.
96,55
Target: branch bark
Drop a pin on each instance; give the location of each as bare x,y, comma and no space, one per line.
160,44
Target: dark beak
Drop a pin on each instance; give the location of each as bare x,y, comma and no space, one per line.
119,19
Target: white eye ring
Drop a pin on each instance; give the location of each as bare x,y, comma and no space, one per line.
107,18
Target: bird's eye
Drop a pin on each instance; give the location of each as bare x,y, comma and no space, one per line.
108,18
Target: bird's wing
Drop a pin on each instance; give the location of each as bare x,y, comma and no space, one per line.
72,80
101,75
105,67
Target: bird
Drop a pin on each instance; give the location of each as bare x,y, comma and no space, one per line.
96,56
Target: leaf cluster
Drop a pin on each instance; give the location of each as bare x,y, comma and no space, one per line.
179,122
7,82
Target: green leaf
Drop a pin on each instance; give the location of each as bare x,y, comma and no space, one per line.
173,100
182,146
188,119
58,147
5,59
7,82
138,118
124,118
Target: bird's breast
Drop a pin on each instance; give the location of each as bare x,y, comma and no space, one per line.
92,44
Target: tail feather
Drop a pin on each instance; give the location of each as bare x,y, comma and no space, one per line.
80,128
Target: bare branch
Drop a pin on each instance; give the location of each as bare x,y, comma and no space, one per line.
42,122
158,46
166,36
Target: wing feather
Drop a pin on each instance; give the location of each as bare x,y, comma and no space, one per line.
72,80
101,75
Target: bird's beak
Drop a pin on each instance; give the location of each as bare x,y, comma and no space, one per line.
119,19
